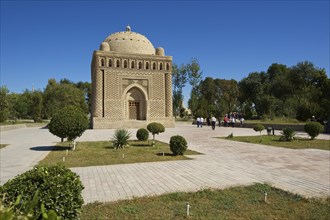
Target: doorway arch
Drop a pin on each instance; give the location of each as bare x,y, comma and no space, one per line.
136,102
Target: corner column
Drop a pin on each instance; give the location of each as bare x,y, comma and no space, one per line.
98,87
168,95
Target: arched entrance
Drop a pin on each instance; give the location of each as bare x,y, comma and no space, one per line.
136,102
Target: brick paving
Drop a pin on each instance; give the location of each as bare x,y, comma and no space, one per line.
223,163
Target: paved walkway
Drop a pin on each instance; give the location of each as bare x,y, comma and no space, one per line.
224,163
27,146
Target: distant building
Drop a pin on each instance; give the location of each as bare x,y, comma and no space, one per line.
131,83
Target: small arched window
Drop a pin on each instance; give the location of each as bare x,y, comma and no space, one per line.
117,63
160,66
140,65
154,66
167,66
132,65
147,65
102,62
110,62
125,63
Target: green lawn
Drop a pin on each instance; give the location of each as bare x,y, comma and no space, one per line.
232,203
29,123
102,153
298,143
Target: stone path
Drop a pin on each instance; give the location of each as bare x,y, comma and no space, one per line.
27,146
223,163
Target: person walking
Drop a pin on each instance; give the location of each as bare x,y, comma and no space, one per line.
213,121
198,121
202,120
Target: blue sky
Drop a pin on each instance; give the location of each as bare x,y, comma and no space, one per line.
56,39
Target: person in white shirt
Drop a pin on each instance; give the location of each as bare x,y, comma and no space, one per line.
202,120
213,121
198,121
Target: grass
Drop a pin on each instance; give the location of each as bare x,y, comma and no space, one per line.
276,121
231,203
102,153
3,145
298,143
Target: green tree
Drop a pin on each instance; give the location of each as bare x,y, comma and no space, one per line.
325,100
87,88
194,72
36,107
193,101
194,77
252,86
208,96
230,93
69,122
22,105
4,105
179,79
217,96
307,83
155,128
59,95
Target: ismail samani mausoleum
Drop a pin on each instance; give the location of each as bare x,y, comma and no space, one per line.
131,83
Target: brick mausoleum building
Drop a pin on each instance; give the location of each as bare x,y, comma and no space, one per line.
131,83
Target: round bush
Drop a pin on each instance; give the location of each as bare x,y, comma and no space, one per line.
178,145
142,134
70,122
258,127
313,129
155,128
59,189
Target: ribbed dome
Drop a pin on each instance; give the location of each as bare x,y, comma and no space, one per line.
130,42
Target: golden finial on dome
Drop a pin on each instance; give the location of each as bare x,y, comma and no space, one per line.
128,28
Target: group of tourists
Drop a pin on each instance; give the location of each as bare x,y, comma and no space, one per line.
228,120
232,119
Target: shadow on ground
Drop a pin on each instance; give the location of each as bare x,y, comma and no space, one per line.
50,148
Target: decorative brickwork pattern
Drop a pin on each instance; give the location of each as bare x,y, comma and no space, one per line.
111,85
156,109
168,94
158,82
140,78
98,93
114,109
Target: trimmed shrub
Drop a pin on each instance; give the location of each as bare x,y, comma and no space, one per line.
287,134
178,145
259,127
142,134
25,210
313,129
59,189
120,138
70,122
155,128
